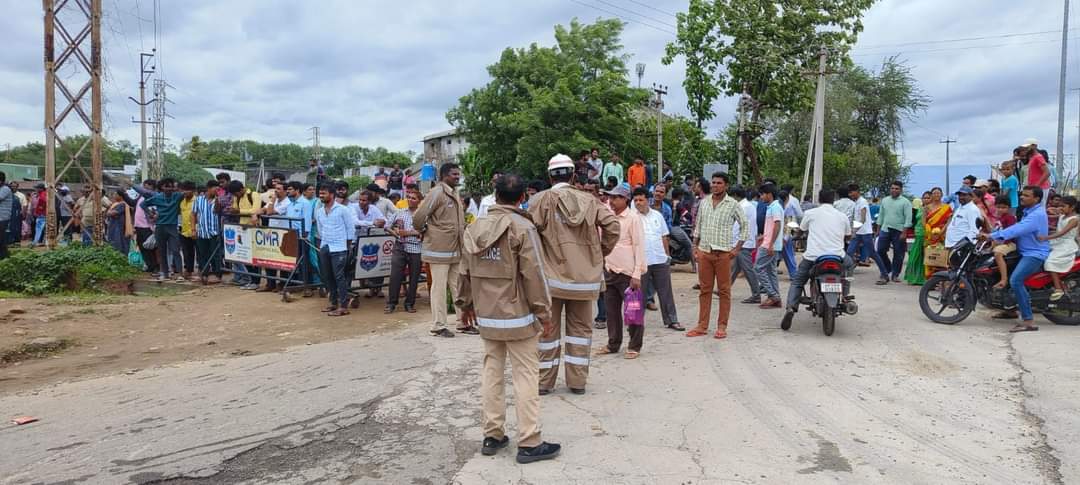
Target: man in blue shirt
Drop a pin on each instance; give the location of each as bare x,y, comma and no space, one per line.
1033,252
335,223
164,209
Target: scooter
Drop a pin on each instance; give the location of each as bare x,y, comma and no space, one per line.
830,291
949,296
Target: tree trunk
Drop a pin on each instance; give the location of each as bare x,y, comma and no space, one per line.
748,137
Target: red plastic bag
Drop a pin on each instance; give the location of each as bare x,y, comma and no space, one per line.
633,307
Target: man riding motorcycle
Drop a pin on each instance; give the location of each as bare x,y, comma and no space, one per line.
1033,252
826,229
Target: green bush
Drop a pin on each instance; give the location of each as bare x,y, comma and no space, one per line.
85,267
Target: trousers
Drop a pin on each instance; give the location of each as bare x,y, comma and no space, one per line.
744,263
714,268
765,266
861,245
893,238
525,375
617,283
187,247
168,245
441,275
658,280
332,266
209,253
577,344
1027,266
400,260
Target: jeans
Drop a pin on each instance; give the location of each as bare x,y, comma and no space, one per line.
1027,266
802,275
863,244
149,255
209,253
39,229
893,238
658,279
744,263
766,273
240,279
187,247
4,239
332,267
601,309
400,260
789,255
88,236
168,244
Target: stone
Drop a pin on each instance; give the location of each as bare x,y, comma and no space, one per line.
43,344
16,311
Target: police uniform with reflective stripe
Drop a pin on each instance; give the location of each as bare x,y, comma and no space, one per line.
503,281
441,220
576,232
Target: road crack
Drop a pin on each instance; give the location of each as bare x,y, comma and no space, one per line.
1048,464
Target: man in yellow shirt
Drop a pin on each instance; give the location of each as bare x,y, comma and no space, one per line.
187,227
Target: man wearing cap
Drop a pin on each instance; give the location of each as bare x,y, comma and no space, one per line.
965,220
623,267
441,220
385,205
1038,169
576,233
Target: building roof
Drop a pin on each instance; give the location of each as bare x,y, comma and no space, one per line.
442,134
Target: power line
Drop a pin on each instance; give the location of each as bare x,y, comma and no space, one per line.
624,18
650,7
964,39
946,49
624,9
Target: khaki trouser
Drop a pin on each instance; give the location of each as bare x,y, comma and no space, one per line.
579,316
524,362
441,274
714,267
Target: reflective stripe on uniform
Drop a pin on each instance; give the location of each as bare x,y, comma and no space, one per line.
439,254
506,322
577,340
547,364
547,345
570,359
562,285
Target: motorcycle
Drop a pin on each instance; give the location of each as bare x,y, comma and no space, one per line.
830,291
949,296
681,247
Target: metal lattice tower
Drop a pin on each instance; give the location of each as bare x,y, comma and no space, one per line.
68,59
157,156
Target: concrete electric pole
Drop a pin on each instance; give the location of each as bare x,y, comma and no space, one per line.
1060,165
947,142
144,59
659,105
316,149
640,69
816,151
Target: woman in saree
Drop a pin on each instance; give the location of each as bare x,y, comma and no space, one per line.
914,272
118,227
936,218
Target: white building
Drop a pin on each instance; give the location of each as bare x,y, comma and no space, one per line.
445,146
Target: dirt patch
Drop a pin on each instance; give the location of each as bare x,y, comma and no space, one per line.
38,348
926,365
180,323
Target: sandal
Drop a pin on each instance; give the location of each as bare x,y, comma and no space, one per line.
677,327
338,313
631,355
1023,328
603,350
329,309
695,333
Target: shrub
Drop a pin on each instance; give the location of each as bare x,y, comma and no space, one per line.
72,267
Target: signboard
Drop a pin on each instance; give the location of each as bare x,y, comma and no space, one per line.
265,247
374,256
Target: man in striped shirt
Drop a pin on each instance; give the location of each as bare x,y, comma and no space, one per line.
208,232
406,253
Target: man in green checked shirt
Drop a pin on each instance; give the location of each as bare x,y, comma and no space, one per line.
715,245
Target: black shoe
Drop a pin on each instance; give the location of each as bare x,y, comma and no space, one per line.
543,451
600,324
492,445
470,330
756,300
577,391
443,333
544,392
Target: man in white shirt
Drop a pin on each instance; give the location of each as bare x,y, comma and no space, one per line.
844,204
489,200
965,219
368,216
657,277
864,236
827,228
744,260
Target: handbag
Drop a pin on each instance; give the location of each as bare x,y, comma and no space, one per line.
633,307
936,256
134,256
150,243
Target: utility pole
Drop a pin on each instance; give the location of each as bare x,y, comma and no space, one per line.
144,60
947,142
72,39
815,153
316,149
743,100
1061,97
161,98
640,68
660,91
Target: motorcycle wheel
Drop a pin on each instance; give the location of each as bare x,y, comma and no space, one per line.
958,296
1066,317
828,322
785,324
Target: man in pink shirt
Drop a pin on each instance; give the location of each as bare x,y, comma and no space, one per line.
623,269
1038,169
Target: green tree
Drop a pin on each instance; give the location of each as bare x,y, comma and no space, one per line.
694,42
765,48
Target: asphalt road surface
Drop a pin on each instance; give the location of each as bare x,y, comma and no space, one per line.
889,398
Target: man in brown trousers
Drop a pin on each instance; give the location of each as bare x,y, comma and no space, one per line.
568,220
441,220
503,291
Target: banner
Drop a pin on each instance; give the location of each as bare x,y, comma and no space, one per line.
265,247
374,256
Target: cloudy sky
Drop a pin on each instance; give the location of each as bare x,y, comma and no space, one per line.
384,73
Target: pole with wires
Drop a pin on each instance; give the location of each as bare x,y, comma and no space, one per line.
1060,165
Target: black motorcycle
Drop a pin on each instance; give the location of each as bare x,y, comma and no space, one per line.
830,294
682,251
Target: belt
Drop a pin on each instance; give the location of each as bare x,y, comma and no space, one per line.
719,251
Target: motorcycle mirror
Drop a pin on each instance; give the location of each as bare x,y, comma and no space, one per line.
856,225
793,225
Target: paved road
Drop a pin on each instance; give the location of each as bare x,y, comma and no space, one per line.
890,398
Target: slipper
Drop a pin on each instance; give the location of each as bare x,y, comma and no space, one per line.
631,355
604,350
720,334
338,313
1000,286
329,309
695,333
1022,328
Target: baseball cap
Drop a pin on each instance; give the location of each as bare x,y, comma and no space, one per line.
963,190
560,161
1029,142
621,190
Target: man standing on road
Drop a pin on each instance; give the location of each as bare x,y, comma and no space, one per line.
1027,233
406,253
576,232
715,243
441,219
208,242
624,267
864,236
826,229
502,290
658,271
771,244
7,198
894,218
335,223
744,260
165,208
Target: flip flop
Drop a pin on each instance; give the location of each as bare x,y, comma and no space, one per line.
604,350
631,355
1022,328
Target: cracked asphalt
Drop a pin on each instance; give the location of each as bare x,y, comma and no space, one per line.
890,398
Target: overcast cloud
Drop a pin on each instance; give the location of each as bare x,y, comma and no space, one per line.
384,73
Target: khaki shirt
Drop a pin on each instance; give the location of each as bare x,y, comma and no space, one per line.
441,220
502,275
576,232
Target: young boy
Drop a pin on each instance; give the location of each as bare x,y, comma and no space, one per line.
1010,186
1003,206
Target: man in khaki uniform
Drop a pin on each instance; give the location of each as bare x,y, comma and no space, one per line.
576,232
502,289
441,220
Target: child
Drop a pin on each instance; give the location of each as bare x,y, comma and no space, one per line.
1010,185
1005,219
1062,245
1053,215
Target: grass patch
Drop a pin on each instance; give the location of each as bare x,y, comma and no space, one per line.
28,351
81,298
75,267
11,294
